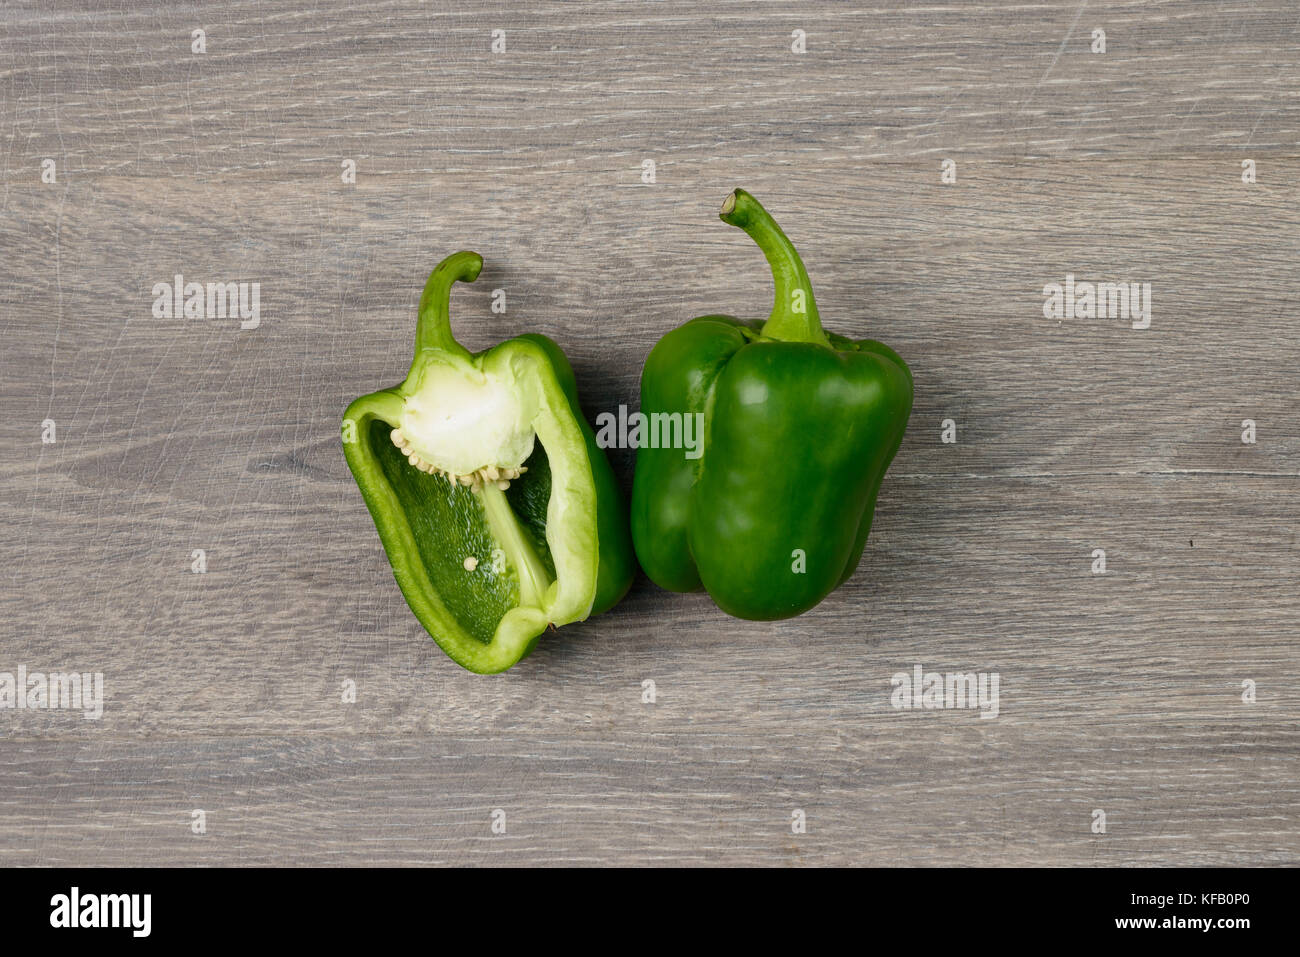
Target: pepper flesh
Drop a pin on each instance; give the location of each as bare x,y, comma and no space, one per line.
800,426
498,512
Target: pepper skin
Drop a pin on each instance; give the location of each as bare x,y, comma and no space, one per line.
799,428
499,513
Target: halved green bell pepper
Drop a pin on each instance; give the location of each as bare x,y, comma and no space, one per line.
499,514
799,425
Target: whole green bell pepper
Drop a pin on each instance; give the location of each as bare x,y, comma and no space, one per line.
498,512
799,427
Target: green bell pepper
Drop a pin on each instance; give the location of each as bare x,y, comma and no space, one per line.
499,514
799,425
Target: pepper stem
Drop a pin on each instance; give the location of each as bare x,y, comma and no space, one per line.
794,315
433,327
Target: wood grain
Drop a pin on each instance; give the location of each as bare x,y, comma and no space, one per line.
1120,692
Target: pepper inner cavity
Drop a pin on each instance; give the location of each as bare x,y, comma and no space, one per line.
513,528
473,427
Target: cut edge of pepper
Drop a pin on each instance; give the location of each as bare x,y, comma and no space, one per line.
507,646
572,533
543,600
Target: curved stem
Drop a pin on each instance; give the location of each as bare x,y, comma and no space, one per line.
794,310
433,327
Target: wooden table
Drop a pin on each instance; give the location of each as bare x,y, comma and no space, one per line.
1124,692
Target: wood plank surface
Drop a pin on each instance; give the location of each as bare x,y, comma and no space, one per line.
1120,692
